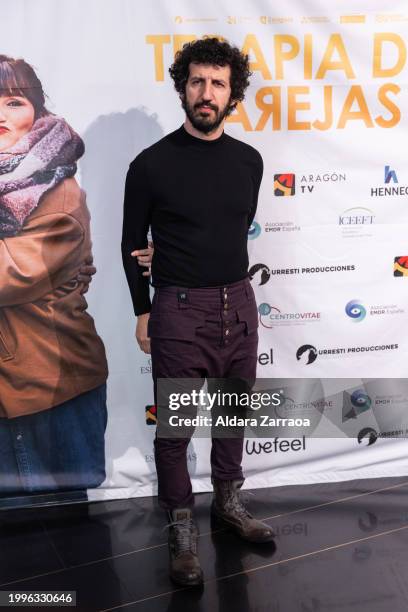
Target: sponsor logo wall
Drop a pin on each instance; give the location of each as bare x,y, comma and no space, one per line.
328,246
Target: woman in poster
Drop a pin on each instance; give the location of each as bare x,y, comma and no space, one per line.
52,362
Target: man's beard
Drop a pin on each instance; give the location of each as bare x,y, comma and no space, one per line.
202,123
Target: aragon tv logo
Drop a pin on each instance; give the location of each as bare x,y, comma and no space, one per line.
355,311
307,354
254,230
151,414
401,265
262,272
284,184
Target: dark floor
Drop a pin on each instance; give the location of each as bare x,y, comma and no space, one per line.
341,547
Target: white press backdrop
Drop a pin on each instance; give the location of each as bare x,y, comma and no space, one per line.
327,105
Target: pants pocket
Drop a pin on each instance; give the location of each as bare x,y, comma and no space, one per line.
248,314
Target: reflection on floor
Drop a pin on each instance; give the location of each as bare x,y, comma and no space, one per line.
339,547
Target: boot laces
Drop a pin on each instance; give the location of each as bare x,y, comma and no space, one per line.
185,536
236,506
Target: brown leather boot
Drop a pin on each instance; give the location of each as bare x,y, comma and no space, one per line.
228,507
185,567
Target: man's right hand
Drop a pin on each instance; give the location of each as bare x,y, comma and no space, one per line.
141,332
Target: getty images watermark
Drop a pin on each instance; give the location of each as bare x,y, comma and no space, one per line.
284,407
223,408
222,400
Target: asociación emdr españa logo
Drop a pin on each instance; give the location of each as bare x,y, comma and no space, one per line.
355,310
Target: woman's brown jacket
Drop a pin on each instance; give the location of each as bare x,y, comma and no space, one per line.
49,349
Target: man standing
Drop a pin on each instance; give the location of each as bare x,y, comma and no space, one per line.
198,189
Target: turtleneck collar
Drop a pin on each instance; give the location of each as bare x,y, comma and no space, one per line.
194,140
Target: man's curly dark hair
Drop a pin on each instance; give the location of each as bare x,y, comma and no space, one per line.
214,52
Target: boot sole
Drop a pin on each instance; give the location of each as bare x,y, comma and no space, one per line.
197,582
225,523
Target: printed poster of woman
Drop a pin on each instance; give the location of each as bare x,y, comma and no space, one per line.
53,368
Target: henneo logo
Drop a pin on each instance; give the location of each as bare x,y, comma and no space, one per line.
390,174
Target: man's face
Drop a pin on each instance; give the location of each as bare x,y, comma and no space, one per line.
208,96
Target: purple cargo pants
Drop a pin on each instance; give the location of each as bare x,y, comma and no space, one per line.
201,333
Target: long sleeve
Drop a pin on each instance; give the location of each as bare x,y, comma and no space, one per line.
136,221
257,183
42,257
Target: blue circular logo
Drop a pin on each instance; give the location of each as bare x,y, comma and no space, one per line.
355,311
360,400
254,230
264,309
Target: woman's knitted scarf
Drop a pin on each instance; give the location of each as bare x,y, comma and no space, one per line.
38,162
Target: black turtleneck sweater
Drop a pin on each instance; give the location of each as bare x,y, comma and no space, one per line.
199,197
